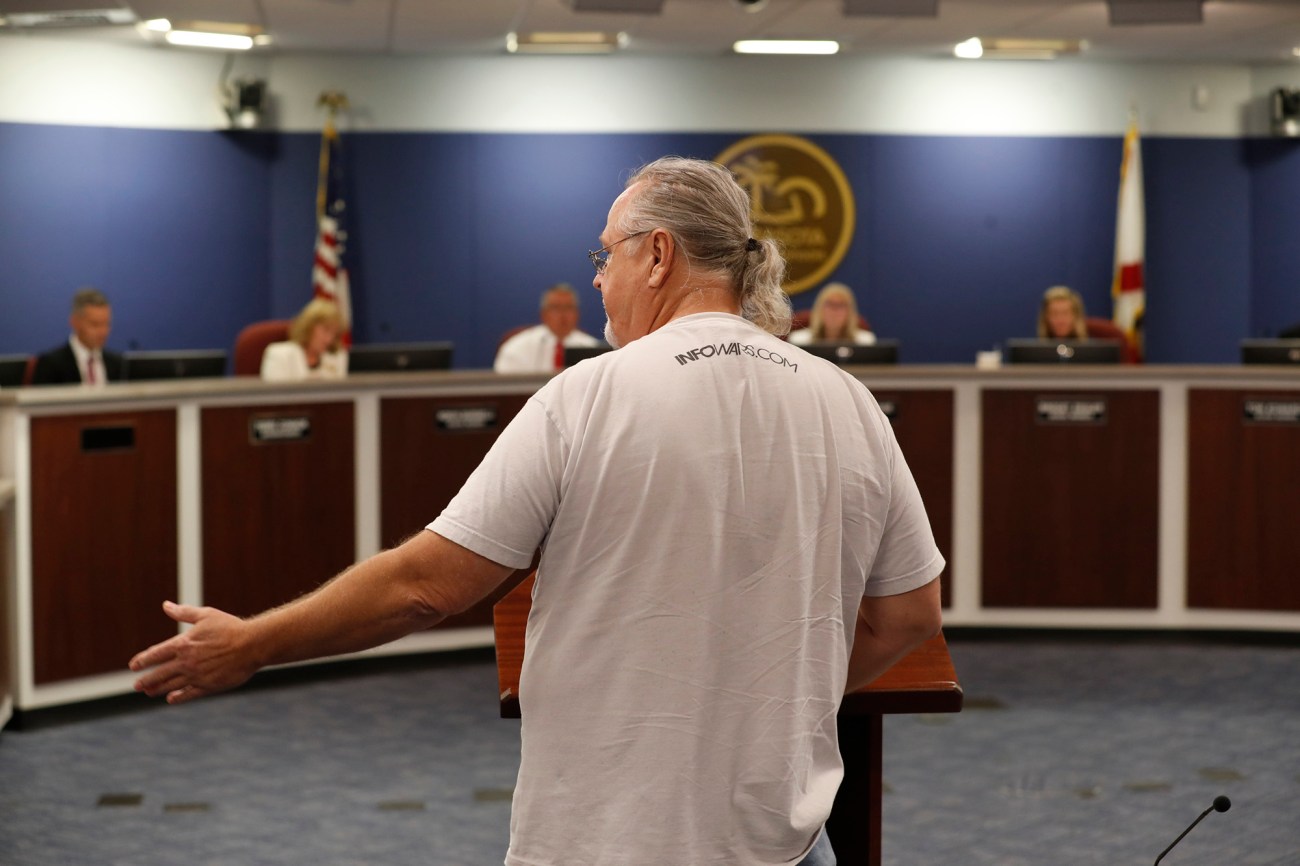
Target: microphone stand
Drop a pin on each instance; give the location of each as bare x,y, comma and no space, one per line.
1221,804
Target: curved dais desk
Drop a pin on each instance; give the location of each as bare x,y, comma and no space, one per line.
1135,497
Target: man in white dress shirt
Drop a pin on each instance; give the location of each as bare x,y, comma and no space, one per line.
540,349
83,359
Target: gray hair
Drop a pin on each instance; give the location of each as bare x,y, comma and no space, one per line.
88,297
558,289
708,214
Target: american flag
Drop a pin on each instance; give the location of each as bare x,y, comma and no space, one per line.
329,275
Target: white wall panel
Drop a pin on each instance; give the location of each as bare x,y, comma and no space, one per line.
53,80
93,83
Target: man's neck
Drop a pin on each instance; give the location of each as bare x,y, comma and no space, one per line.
80,348
708,297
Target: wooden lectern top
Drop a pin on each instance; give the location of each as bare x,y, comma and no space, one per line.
923,682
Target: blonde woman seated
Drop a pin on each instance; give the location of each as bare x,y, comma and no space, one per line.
312,350
834,319
1061,316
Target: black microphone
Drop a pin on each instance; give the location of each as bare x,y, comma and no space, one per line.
1221,804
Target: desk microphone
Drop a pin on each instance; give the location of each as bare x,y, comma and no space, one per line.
1221,804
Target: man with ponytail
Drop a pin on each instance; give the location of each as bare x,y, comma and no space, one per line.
730,542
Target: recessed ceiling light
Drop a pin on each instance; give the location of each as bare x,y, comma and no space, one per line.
1017,49
224,35
786,46
199,39
580,42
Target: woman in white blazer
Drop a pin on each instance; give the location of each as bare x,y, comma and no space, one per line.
312,350
834,319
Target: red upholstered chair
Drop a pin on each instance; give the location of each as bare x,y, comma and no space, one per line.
1104,329
252,342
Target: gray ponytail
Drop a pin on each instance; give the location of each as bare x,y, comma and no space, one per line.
707,212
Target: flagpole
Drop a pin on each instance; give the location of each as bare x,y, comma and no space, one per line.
333,101
329,274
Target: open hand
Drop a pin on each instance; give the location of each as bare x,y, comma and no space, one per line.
211,657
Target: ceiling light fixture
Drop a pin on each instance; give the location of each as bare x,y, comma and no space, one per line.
1017,49
588,42
786,46
200,39
222,35
47,15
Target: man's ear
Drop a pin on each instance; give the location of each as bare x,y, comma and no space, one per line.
663,249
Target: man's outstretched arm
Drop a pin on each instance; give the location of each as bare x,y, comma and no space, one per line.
388,596
888,628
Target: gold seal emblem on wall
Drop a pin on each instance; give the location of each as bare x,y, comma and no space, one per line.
798,196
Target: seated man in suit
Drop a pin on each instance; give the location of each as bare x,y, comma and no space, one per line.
540,349
83,359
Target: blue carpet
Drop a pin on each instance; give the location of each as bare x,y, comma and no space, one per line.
1070,752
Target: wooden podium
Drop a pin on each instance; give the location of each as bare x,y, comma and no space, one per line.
924,682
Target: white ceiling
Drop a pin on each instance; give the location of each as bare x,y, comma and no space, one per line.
1235,31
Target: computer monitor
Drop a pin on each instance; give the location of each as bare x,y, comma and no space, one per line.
846,354
1064,352
574,354
399,357
1270,351
13,368
194,364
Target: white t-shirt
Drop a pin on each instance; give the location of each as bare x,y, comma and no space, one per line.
712,501
533,350
804,337
287,362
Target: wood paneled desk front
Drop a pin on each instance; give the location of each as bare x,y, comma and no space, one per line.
924,682
1139,497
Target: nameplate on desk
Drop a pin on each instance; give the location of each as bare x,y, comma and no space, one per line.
467,418
108,438
889,407
1271,411
1070,410
279,428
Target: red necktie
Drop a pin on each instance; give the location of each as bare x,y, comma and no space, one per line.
559,354
90,369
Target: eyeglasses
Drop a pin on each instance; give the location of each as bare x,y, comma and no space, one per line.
600,258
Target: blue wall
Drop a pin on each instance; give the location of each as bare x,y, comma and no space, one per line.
1275,227
453,236
172,225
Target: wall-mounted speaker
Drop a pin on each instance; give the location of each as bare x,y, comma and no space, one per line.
245,103
1284,110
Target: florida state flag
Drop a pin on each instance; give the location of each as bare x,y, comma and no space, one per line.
1129,286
